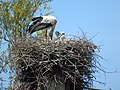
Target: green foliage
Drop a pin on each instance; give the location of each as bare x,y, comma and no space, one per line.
15,17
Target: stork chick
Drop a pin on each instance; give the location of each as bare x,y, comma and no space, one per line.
62,37
58,34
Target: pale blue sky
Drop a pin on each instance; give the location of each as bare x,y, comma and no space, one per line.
94,16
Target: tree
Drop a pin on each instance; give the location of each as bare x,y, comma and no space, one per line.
15,17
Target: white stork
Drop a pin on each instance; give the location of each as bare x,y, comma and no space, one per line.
43,23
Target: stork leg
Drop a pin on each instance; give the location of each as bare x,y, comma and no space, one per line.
46,34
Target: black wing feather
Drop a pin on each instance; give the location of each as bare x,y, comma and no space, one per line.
38,26
37,19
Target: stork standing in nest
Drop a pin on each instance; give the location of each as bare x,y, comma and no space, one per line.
43,23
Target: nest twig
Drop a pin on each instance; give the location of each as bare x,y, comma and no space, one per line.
39,62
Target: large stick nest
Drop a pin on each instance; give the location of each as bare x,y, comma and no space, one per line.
40,62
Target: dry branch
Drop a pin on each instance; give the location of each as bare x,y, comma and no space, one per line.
39,62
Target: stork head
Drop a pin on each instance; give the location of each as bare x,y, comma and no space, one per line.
63,33
57,33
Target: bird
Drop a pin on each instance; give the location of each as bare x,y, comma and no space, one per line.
62,37
58,34
43,23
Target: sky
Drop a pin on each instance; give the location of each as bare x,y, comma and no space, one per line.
94,16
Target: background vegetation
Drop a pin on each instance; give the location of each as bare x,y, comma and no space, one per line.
15,17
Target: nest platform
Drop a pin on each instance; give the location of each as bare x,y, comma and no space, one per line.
39,63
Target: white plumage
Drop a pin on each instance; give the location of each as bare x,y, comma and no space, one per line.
49,19
62,37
